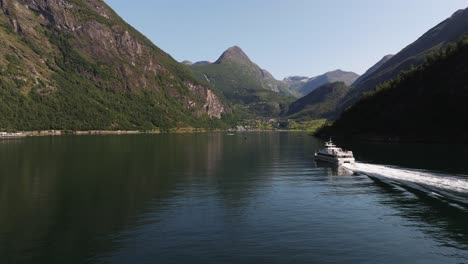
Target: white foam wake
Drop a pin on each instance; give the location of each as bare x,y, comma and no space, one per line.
445,182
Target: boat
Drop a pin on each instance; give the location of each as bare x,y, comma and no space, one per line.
331,153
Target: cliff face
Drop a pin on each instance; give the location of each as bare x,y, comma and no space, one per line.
49,40
213,106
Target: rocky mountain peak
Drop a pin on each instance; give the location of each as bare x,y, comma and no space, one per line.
234,55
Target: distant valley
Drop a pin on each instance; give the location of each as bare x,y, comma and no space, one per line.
303,85
255,90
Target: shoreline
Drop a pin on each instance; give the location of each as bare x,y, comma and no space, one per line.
44,133
38,133
361,138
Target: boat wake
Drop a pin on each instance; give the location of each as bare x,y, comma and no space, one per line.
453,187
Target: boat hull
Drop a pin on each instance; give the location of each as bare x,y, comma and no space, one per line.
337,161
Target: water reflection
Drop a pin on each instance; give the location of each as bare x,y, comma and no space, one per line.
91,199
437,216
65,195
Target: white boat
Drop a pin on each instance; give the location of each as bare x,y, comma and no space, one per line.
331,153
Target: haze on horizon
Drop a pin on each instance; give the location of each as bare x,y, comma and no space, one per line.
296,37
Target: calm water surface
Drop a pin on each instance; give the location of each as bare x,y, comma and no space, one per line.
214,198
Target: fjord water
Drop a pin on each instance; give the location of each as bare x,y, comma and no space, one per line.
214,198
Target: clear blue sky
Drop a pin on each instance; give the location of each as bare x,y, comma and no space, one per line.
287,37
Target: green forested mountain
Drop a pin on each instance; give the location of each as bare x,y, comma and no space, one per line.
427,102
440,36
320,103
75,64
245,84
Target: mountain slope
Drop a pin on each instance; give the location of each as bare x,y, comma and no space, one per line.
304,87
372,69
320,103
452,29
244,83
424,103
74,64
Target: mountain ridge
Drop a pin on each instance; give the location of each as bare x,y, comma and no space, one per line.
372,69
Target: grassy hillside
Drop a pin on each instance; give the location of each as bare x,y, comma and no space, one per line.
427,102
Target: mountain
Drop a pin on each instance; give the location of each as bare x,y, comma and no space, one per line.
245,84
450,30
201,63
295,83
320,103
304,87
372,69
75,64
425,103
235,55
189,63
